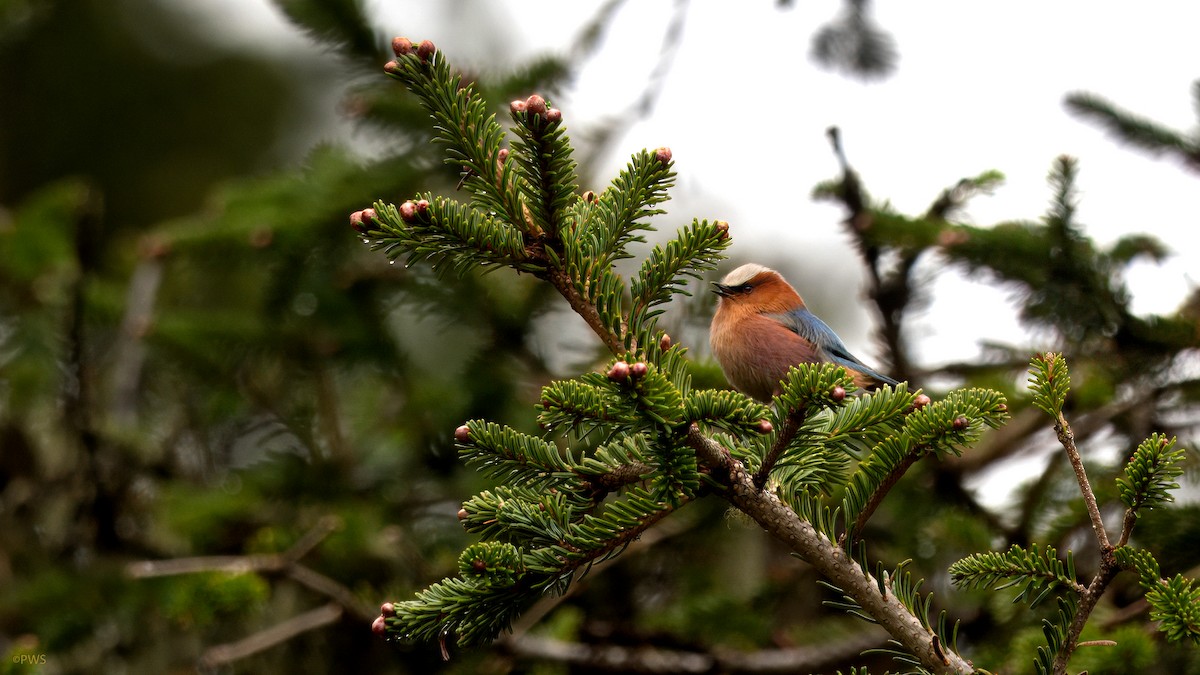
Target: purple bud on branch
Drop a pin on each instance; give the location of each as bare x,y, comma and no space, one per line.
426,50
536,105
619,372
408,212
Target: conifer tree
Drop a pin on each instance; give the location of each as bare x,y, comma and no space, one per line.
627,445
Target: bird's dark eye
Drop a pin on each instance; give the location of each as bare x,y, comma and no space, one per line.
744,288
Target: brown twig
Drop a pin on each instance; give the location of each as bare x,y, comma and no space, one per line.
881,491
269,637
285,563
587,311
1108,564
619,658
1067,438
791,426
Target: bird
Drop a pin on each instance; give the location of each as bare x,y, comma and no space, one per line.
762,327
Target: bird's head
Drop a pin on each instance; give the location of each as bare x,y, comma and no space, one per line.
756,288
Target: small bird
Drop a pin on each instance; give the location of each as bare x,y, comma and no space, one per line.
762,328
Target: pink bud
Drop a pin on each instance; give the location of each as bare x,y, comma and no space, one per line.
517,107
663,155
589,197
356,222
638,370
379,626
392,67
463,514
838,394
920,401
535,104
369,216
664,343
387,609
478,565
463,434
960,423
408,212
402,46
554,116
422,206
722,228
765,427
502,156
619,372
426,50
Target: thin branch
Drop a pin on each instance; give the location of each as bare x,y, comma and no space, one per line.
791,425
532,616
778,519
286,563
881,491
269,637
586,310
641,659
1067,437
1087,602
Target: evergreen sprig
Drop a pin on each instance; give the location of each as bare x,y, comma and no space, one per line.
545,170
1148,474
1039,569
1174,603
448,233
1056,629
517,458
695,249
472,136
1049,382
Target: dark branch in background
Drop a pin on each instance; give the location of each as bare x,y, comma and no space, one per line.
286,564
601,137
641,659
1140,132
890,291
130,349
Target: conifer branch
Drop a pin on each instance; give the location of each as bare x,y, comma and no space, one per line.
778,519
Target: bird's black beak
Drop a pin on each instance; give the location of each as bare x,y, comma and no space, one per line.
721,289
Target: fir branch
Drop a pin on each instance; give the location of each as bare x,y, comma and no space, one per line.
1039,569
1134,129
726,409
622,210
545,170
1175,604
765,508
517,458
447,233
1050,384
1147,481
471,135
695,249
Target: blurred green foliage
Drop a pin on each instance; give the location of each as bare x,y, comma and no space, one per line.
197,358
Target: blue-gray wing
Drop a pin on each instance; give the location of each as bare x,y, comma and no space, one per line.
809,326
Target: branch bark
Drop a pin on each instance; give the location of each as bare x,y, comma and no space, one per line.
784,524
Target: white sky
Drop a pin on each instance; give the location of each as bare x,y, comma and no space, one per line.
979,86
